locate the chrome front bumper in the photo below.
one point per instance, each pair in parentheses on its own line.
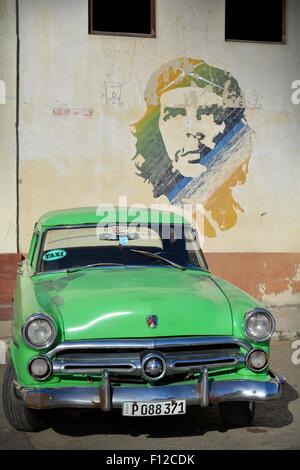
(203,393)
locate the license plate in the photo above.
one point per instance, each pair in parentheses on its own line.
(157,408)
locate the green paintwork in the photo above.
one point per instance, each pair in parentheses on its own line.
(108,214)
(120,299)
(113,302)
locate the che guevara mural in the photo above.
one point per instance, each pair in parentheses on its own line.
(193,143)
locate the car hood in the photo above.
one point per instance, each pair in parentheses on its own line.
(115,303)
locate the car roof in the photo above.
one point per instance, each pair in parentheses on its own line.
(94,215)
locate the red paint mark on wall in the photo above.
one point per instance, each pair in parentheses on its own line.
(81,112)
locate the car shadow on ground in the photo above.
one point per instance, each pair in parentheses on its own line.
(197,421)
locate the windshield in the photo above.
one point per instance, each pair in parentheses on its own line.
(120,245)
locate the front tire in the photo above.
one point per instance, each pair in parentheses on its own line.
(18,416)
(237,413)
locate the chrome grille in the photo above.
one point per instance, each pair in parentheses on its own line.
(123,358)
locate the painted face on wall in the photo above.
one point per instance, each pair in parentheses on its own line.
(190,124)
(193,142)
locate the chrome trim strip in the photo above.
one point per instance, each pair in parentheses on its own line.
(113,365)
(200,394)
(149,343)
(188,364)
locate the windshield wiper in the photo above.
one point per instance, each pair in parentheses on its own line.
(161,258)
(74,270)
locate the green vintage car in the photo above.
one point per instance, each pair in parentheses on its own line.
(116,308)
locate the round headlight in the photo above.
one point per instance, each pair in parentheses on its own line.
(40,368)
(257,360)
(259,325)
(39,331)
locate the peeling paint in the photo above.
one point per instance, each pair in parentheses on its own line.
(283,290)
(297,273)
(261,289)
(290,295)
(284,298)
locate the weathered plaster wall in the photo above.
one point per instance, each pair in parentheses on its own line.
(272,278)
(7,127)
(80,94)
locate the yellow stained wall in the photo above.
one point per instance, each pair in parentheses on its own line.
(7,127)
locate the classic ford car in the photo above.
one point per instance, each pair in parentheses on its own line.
(114,310)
